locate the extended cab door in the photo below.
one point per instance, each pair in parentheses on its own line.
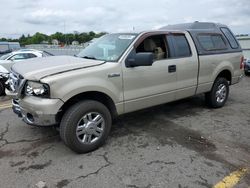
(146,86)
(184,56)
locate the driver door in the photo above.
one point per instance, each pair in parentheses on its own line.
(146,86)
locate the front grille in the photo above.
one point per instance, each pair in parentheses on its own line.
(15,82)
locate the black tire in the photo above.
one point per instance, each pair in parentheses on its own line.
(72,118)
(2,88)
(211,98)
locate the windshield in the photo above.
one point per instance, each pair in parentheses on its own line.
(108,48)
(4,57)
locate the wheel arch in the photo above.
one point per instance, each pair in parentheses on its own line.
(89,95)
(225,74)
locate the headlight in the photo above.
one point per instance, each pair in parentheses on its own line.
(36,89)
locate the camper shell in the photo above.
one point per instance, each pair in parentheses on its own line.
(202,32)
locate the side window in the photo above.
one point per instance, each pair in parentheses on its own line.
(18,57)
(206,42)
(155,44)
(218,42)
(211,42)
(232,41)
(182,48)
(31,55)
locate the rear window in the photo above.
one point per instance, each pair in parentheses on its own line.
(212,42)
(182,46)
(46,54)
(231,39)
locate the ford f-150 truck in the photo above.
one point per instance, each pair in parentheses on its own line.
(125,72)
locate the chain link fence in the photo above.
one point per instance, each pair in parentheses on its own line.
(56,49)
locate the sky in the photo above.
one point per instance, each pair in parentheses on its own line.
(19,17)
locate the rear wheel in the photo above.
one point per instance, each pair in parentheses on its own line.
(218,95)
(85,126)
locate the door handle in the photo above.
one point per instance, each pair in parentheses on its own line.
(111,75)
(172,68)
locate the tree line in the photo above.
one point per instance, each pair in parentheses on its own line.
(39,38)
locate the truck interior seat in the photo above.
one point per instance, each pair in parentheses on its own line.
(150,46)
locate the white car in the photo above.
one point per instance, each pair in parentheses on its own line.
(9,59)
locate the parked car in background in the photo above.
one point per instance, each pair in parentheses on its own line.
(247,67)
(4,75)
(9,59)
(7,47)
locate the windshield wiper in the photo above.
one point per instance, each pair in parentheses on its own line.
(89,57)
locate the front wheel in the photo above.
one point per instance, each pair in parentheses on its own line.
(85,126)
(218,95)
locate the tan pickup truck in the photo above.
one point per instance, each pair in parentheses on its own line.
(125,72)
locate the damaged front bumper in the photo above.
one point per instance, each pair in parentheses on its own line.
(37,111)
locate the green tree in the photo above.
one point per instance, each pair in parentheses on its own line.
(37,38)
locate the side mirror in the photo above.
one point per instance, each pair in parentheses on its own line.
(139,59)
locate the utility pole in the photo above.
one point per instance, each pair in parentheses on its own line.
(64,26)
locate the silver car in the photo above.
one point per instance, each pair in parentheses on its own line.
(9,59)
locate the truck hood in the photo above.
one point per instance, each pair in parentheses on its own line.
(38,68)
(4,61)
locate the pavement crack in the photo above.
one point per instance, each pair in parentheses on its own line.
(24,140)
(6,142)
(46,149)
(2,134)
(135,186)
(16,142)
(204,182)
(108,163)
(203,179)
(160,162)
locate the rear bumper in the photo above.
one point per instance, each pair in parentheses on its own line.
(37,111)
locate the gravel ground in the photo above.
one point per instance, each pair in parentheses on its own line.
(181,144)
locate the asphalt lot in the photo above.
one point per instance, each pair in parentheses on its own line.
(181,144)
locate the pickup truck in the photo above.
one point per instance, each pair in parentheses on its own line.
(125,72)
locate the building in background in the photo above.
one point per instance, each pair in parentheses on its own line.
(55,42)
(244,41)
(75,43)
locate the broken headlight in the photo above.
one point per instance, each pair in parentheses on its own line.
(4,75)
(36,89)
